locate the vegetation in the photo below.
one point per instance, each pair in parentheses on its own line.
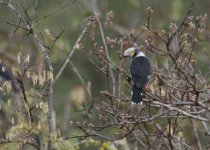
(74,85)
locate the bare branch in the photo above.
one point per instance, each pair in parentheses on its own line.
(72,52)
(111,74)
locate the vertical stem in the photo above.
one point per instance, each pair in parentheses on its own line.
(169,133)
(120,66)
(198,143)
(51,118)
(112,81)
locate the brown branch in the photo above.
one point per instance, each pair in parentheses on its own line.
(111,74)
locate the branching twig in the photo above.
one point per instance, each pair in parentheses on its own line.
(71,52)
(111,74)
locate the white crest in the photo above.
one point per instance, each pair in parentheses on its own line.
(131,51)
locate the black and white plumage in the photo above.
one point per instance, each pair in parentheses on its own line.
(140,72)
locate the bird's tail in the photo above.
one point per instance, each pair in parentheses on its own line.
(137,95)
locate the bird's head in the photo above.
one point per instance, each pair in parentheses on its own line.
(133,52)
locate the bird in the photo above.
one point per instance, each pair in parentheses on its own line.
(6,75)
(140,73)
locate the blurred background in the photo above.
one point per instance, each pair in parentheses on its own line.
(51,17)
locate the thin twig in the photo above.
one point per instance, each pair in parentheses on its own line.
(71,52)
(181,111)
(111,74)
(80,78)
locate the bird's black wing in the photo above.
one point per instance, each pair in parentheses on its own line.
(140,71)
(5,74)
